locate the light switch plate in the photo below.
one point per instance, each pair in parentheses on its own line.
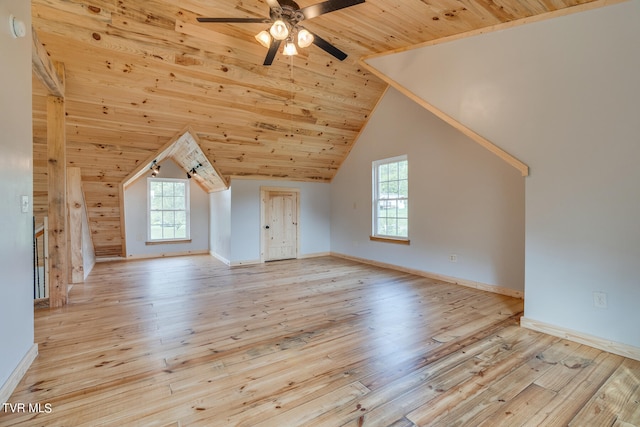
(25,204)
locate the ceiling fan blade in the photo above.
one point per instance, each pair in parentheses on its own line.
(236,20)
(328,47)
(273,49)
(327,6)
(273,4)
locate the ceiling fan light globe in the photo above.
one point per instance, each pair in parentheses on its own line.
(289,49)
(305,38)
(279,30)
(264,38)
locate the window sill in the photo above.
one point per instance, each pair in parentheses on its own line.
(398,241)
(167,242)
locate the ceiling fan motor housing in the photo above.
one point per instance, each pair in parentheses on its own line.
(289,12)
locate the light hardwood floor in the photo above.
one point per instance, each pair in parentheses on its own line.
(329,342)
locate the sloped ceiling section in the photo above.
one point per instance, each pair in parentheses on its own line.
(463,81)
(185,151)
(139,71)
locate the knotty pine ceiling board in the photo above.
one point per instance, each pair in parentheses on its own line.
(140,71)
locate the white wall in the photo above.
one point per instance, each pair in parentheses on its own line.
(462,199)
(314,226)
(16,175)
(561,95)
(135,205)
(220,222)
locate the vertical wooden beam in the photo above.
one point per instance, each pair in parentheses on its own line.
(44,69)
(57,192)
(75,205)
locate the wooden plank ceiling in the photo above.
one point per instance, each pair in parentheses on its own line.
(140,71)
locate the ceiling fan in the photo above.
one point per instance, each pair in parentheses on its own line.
(285,17)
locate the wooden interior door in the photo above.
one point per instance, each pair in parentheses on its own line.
(280,225)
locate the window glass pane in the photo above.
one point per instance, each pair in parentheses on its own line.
(383,190)
(393,171)
(168,203)
(168,232)
(392,212)
(180,232)
(403,228)
(179,189)
(179,202)
(384,173)
(393,189)
(403,170)
(155,218)
(156,203)
(167,188)
(156,188)
(181,218)
(403,209)
(391,226)
(156,232)
(382,226)
(168,218)
(403,189)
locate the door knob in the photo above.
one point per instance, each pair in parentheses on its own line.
(266,226)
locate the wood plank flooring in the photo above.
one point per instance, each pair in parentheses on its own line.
(317,342)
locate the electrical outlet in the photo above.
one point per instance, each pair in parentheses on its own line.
(453,258)
(600,299)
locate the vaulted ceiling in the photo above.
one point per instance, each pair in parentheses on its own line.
(139,71)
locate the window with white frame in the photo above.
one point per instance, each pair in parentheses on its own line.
(168,208)
(391,198)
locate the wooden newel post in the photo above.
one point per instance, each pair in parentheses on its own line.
(57,201)
(75,206)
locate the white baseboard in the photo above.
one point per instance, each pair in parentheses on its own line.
(453,280)
(246,262)
(220,258)
(314,255)
(16,376)
(257,261)
(600,343)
